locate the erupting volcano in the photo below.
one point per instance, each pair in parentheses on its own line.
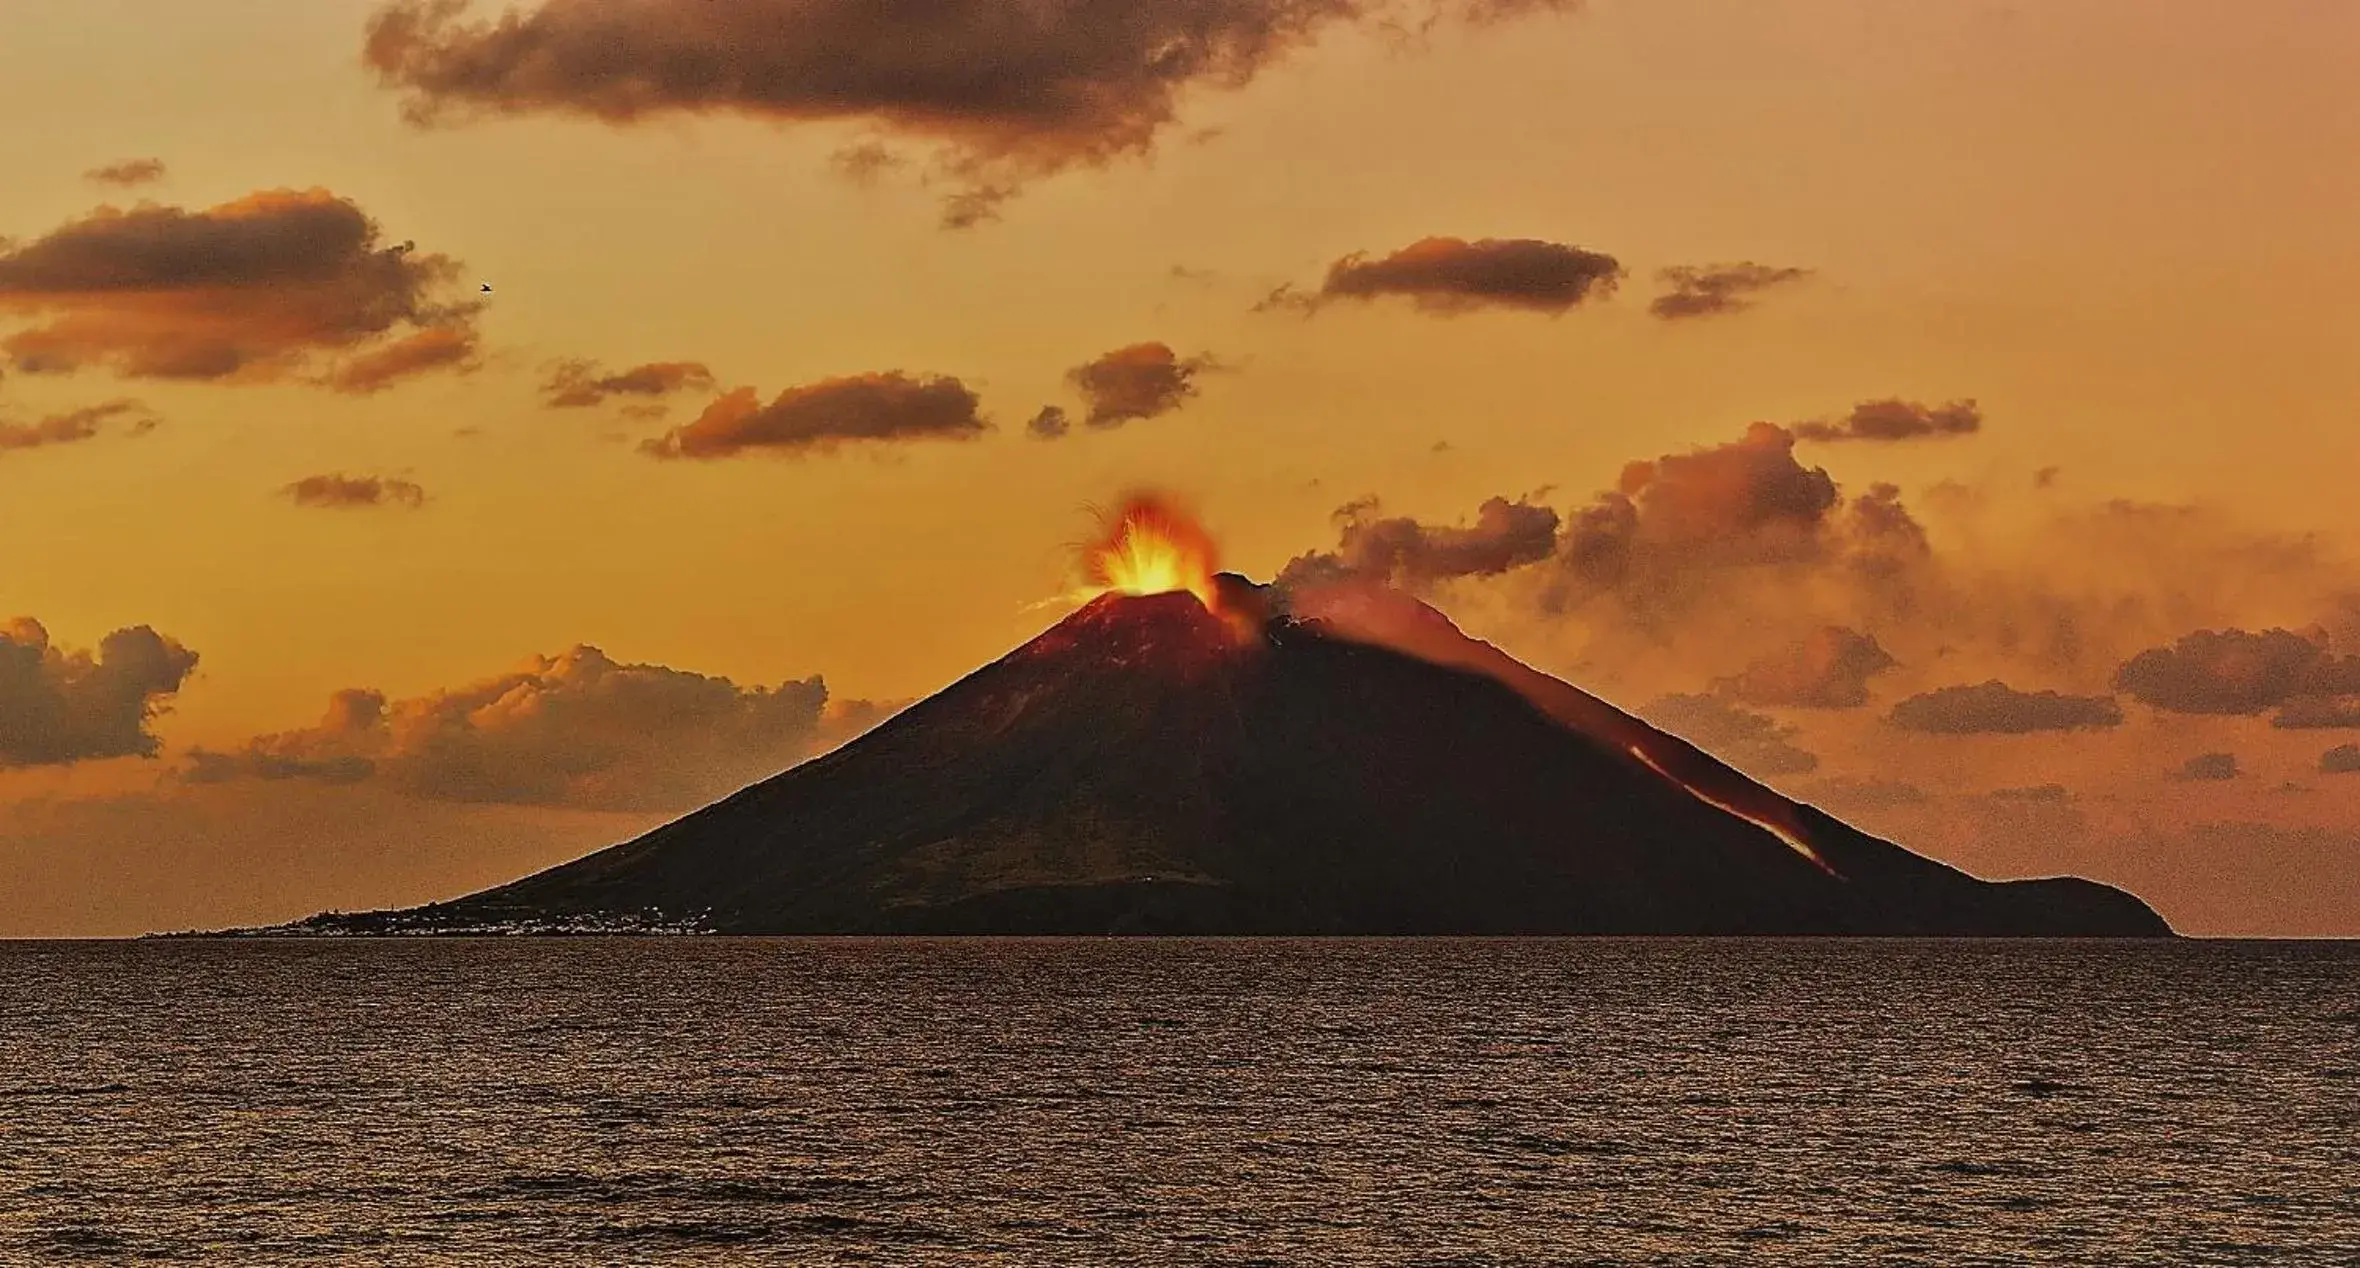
(1189,752)
(1150,547)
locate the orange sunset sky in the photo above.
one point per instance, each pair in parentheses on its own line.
(1945,410)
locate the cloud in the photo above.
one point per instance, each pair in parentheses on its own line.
(1829,669)
(1994,708)
(1451,275)
(1894,419)
(1753,742)
(2036,792)
(1399,550)
(2343,759)
(575,384)
(433,348)
(333,491)
(865,162)
(818,417)
(1865,794)
(1003,92)
(1745,503)
(1702,291)
(127,173)
(76,425)
(250,290)
(2207,767)
(1050,424)
(1135,383)
(2237,671)
(2318,713)
(975,205)
(578,730)
(59,706)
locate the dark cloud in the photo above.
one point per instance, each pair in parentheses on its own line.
(1829,669)
(77,425)
(818,417)
(338,491)
(1702,291)
(1401,551)
(251,290)
(434,348)
(1994,708)
(1049,424)
(1745,503)
(59,706)
(1007,92)
(2037,792)
(128,173)
(579,729)
(864,162)
(576,384)
(1139,382)
(2319,713)
(1452,275)
(975,205)
(2343,759)
(2236,671)
(1753,742)
(2206,767)
(1894,419)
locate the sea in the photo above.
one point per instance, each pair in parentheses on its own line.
(1148,1101)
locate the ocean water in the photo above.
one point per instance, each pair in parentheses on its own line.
(690,1100)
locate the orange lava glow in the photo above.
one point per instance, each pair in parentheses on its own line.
(1793,840)
(1148,546)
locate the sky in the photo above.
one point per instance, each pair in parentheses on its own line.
(1944,410)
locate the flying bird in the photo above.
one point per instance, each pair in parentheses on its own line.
(486,288)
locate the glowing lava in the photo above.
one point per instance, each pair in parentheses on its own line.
(1793,840)
(1148,546)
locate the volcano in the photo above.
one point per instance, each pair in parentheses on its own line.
(1340,764)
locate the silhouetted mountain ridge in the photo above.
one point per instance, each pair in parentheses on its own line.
(1146,765)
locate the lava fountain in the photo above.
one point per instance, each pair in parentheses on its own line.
(1147,545)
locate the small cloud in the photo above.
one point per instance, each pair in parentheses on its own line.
(1829,669)
(1994,708)
(1707,290)
(2343,759)
(1447,276)
(338,491)
(2319,713)
(2208,766)
(1866,794)
(577,384)
(430,349)
(128,173)
(867,409)
(2037,792)
(1398,550)
(866,162)
(76,425)
(1049,424)
(1142,381)
(975,205)
(1894,419)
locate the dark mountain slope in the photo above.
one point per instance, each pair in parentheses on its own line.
(1148,766)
